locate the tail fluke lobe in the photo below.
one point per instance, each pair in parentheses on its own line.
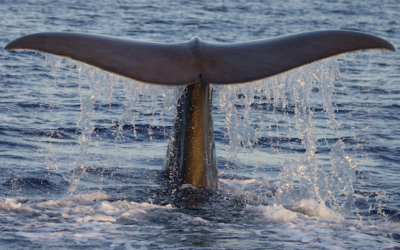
(254,60)
(156,63)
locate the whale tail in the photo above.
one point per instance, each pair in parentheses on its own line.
(181,63)
(191,156)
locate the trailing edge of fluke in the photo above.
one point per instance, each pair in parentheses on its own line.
(217,63)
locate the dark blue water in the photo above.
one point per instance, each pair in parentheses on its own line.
(73,179)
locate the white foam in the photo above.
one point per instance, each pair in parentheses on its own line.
(247,183)
(128,224)
(313,208)
(10,204)
(315,232)
(275,213)
(96,218)
(239,182)
(200,220)
(76,199)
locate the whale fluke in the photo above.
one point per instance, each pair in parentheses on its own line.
(191,159)
(217,63)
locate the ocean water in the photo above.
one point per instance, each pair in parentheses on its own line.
(307,159)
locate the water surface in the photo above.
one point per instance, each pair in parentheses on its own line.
(78,172)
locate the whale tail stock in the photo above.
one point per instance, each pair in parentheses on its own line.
(191,158)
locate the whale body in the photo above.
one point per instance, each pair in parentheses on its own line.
(195,64)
